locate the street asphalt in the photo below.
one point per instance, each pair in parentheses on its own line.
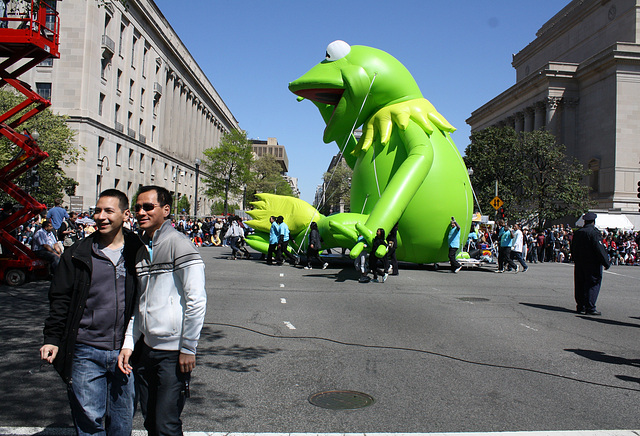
(432,351)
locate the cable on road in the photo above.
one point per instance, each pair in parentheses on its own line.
(432,353)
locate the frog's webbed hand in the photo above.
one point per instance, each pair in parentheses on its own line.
(297,213)
(380,125)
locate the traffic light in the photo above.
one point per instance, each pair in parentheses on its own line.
(34,178)
(502,214)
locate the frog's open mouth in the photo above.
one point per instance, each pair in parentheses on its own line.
(330,96)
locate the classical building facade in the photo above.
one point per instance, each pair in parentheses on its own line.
(270,146)
(580,80)
(140,104)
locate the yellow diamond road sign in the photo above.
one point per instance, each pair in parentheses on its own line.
(496,203)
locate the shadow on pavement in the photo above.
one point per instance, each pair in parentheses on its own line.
(548,307)
(599,356)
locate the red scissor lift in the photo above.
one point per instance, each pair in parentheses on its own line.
(25,41)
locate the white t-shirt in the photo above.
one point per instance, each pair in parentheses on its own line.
(517,241)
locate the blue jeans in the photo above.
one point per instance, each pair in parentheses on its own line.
(99,389)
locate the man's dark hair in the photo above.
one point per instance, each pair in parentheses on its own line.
(280,219)
(123,201)
(45,223)
(164,196)
(57,202)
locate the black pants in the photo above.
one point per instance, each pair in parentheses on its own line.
(452,258)
(283,252)
(312,254)
(392,259)
(161,387)
(373,265)
(504,256)
(273,249)
(587,280)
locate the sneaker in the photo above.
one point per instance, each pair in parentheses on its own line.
(325,265)
(375,281)
(498,271)
(517,270)
(525,270)
(307,267)
(458,269)
(385,277)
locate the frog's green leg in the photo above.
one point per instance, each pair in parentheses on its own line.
(259,241)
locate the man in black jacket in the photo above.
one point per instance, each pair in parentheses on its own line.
(589,256)
(92,297)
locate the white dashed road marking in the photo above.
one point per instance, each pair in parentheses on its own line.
(289,325)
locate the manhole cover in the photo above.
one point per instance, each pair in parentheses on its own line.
(473,299)
(339,400)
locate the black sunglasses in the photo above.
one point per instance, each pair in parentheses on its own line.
(148,207)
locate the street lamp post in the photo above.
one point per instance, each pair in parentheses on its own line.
(99,182)
(195,204)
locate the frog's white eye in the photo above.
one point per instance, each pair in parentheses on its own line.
(337,50)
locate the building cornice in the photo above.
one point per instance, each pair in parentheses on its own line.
(126,138)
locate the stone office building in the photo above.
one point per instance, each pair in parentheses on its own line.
(580,79)
(139,102)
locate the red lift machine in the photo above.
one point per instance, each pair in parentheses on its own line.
(25,41)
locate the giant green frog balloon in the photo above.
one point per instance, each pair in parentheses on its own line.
(406,168)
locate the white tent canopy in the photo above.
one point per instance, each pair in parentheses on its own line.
(610,221)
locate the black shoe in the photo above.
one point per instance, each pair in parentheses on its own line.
(593,313)
(580,310)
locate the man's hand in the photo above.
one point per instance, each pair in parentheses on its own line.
(123,361)
(48,352)
(186,362)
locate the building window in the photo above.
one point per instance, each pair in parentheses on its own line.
(119,80)
(44,90)
(153,165)
(100,143)
(119,154)
(156,103)
(131,84)
(153,133)
(116,182)
(101,103)
(142,162)
(129,189)
(142,98)
(104,65)
(145,51)
(46,63)
(133,50)
(131,159)
(121,41)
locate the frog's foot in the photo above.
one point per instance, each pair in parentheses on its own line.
(380,125)
(297,213)
(259,241)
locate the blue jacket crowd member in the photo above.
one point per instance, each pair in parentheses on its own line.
(169,317)
(392,241)
(283,243)
(373,257)
(45,245)
(274,232)
(589,256)
(57,214)
(315,245)
(92,297)
(505,236)
(454,245)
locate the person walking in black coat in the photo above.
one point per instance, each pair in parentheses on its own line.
(313,250)
(589,256)
(392,240)
(373,257)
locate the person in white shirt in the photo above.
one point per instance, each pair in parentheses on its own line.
(518,245)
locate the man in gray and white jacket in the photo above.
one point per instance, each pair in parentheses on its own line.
(169,317)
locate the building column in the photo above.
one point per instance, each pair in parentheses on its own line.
(568,131)
(528,119)
(540,116)
(511,122)
(553,104)
(519,122)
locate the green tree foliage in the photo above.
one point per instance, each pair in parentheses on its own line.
(537,181)
(266,177)
(217,208)
(337,189)
(184,207)
(229,166)
(57,139)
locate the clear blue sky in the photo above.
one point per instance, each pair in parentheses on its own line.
(459,52)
